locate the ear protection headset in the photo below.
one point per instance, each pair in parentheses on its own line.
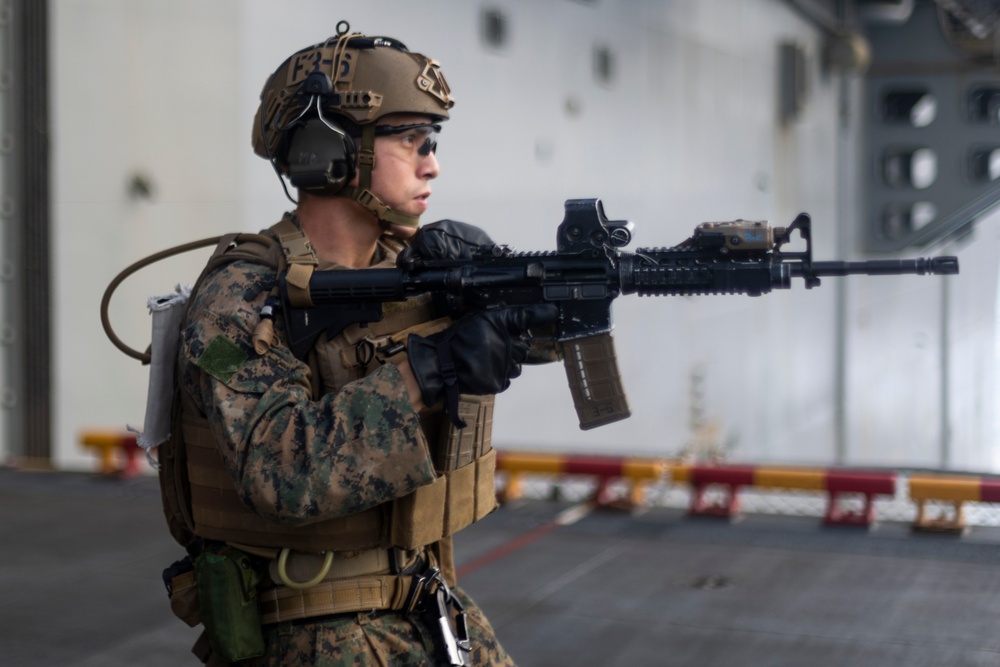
(321,155)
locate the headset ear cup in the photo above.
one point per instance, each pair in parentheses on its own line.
(320,160)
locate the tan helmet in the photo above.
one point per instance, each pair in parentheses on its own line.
(318,110)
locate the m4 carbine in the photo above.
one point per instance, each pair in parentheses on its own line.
(585,273)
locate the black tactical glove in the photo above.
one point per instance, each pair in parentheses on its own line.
(478,354)
(444,239)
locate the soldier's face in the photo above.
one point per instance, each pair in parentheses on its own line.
(405,164)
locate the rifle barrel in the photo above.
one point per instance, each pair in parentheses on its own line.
(942,266)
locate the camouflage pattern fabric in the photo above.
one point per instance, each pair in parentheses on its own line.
(378,639)
(295,459)
(298,459)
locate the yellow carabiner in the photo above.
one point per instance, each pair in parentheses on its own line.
(301,585)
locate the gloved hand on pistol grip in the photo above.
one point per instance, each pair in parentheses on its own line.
(478,354)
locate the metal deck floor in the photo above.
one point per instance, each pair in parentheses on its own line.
(81,559)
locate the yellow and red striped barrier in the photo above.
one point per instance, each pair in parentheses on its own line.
(117,451)
(955,490)
(838,484)
(728,479)
(639,472)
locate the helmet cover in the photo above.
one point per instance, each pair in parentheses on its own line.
(349,78)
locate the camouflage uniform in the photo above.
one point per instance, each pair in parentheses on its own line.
(297,458)
(384,639)
(294,458)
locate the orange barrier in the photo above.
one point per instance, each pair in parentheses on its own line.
(640,472)
(118,451)
(725,479)
(838,484)
(954,490)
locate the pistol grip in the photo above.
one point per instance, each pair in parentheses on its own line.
(594,380)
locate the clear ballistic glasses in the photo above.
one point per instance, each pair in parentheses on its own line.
(420,138)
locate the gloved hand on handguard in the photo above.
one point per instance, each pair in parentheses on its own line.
(444,239)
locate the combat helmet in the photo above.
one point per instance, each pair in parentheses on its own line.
(318,111)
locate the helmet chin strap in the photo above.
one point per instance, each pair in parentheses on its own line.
(363,194)
(386,216)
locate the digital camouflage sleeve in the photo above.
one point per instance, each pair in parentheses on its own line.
(296,458)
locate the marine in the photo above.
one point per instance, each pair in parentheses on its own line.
(317,496)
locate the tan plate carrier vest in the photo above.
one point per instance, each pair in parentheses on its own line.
(464,459)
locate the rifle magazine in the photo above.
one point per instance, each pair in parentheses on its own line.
(594,380)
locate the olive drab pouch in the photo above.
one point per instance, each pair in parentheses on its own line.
(227,596)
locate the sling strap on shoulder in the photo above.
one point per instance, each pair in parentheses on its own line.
(301,260)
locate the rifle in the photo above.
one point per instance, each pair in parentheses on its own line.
(585,273)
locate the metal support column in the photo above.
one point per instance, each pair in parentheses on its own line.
(27,263)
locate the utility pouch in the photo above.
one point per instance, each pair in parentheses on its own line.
(184,599)
(453,501)
(227,596)
(461,446)
(179,581)
(418,518)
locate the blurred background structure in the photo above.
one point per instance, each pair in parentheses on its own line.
(125,129)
